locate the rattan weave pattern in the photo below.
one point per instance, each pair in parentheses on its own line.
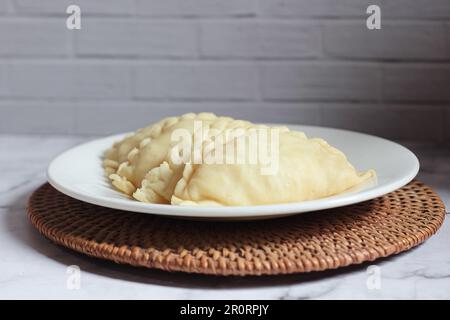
(302,243)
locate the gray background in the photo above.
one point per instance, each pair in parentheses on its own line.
(297,61)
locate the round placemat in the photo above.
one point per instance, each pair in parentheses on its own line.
(306,242)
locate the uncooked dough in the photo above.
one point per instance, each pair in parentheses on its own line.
(142,165)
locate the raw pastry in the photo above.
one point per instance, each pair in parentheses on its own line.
(142,165)
(141,159)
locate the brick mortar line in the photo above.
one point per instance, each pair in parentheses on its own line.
(213,18)
(136,59)
(131,61)
(236,101)
(425,104)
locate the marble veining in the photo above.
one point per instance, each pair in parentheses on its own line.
(32,267)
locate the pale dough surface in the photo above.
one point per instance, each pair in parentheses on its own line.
(141,166)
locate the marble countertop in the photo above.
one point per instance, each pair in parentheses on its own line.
(33,267)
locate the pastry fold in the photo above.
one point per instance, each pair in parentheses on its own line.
(142,165)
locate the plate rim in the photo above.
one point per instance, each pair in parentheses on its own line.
(255,211)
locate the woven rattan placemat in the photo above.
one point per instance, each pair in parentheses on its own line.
(305,242)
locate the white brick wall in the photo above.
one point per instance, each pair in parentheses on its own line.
(446,125)
(137,38)
(415,9)
(393,120)
(317,9)
(416,82)
(260,39)
(418,9)
(32,38)
(320,81)
(196,81)
(3,83)
(196,8)
(67,80)
(296,61)
(4,7)
(397,40)
(89,7)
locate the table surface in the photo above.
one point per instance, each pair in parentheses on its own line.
(33,267)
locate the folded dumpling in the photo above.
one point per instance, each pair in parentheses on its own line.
(142,165)
(137,165)
(308,169)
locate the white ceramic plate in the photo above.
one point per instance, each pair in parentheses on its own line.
(78,173)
